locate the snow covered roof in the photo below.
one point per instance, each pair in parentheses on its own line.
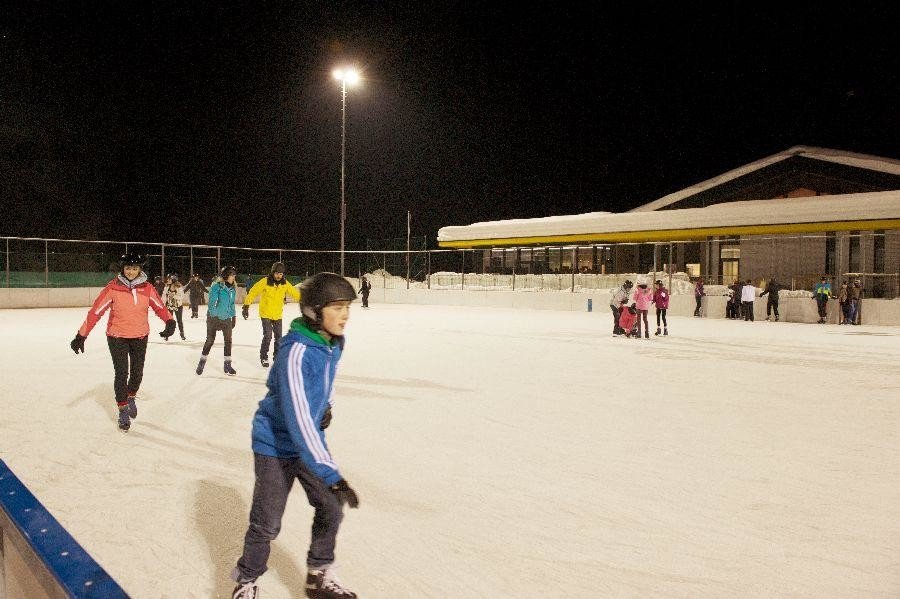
(872,210)
(874,163)
(869,210)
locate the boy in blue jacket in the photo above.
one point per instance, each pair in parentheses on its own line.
(289,441)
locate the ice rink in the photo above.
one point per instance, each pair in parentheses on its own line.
(497,453)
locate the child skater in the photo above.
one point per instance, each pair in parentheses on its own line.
(174,303)
(220,316)
(661,299)
(127,297)
(628,321)
(643,297)
(289,441)
(272,291)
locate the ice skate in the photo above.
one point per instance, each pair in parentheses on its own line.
(323,584)
(124,420)
(665,332)
(201,365)
(658,331)
(264,362)
(228,369)
(183,338)
(132,407)
(246,590)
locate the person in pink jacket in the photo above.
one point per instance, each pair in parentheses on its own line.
(127,298)
(643,297)
(661,299)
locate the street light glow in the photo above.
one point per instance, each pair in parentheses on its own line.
(348,76)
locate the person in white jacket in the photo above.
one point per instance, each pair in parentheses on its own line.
(174,300)
(748,296)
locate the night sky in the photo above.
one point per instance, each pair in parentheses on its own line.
(219,123)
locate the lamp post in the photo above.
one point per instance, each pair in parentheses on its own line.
(346,77)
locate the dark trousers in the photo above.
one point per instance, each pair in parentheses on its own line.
(699,299)
(274,479)
(195,307)
(177,314)
(823,307)
(772,306)
(616,312)
(214,324)
(365,300)
(642,314)
(269,327)
(128,364)
(748,310)
(661,312)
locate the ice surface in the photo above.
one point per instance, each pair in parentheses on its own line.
(497,453)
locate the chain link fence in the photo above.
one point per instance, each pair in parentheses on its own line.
(797,261)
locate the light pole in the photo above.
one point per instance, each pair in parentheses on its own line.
(346,77)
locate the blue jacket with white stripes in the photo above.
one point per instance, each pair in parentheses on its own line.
(287,422)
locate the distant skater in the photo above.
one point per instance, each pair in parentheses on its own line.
(364,289)
(643,297)
(196,291)
(699,292)
(128,297)
(773,287)
(272,291)
(748,296)
(616,304)
(220,316)
(661,299)
(174,299)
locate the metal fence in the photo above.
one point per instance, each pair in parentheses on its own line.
(797,261)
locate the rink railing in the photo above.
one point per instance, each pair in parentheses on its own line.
(59,263)
(38,557)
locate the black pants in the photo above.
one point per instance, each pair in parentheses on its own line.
(269,327)
(661,312)
(699,299)
(823,307)
(128,364)
(365,300)
(616,313)
(772,306)
(748,310)
(274,479)
(642,314)
(177,314)
(195,307)
(214,324)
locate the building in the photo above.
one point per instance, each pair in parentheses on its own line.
(795,215)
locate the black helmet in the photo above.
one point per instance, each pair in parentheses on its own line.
(196,274)
(320,290)
(131,259)
(172,276)
(628,284)
(227,271)
(278,267)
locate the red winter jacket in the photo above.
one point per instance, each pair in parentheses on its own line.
(128,304)
(626,319)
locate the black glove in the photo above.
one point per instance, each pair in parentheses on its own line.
(233,321)
(326,419)
(170,328)
(344,493)
(77,344)
(245,312)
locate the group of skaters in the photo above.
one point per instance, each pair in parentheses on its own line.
(628,318)
(288,428)
(742,296)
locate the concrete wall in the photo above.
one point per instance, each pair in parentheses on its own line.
(874,311)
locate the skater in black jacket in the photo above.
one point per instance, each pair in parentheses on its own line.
(364,289)
(772,289)
(196,291)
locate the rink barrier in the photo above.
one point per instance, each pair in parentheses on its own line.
(39,557)
(884,312)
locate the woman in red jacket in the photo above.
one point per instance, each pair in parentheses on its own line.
(127,297)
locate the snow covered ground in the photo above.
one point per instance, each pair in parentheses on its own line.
(497,453)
